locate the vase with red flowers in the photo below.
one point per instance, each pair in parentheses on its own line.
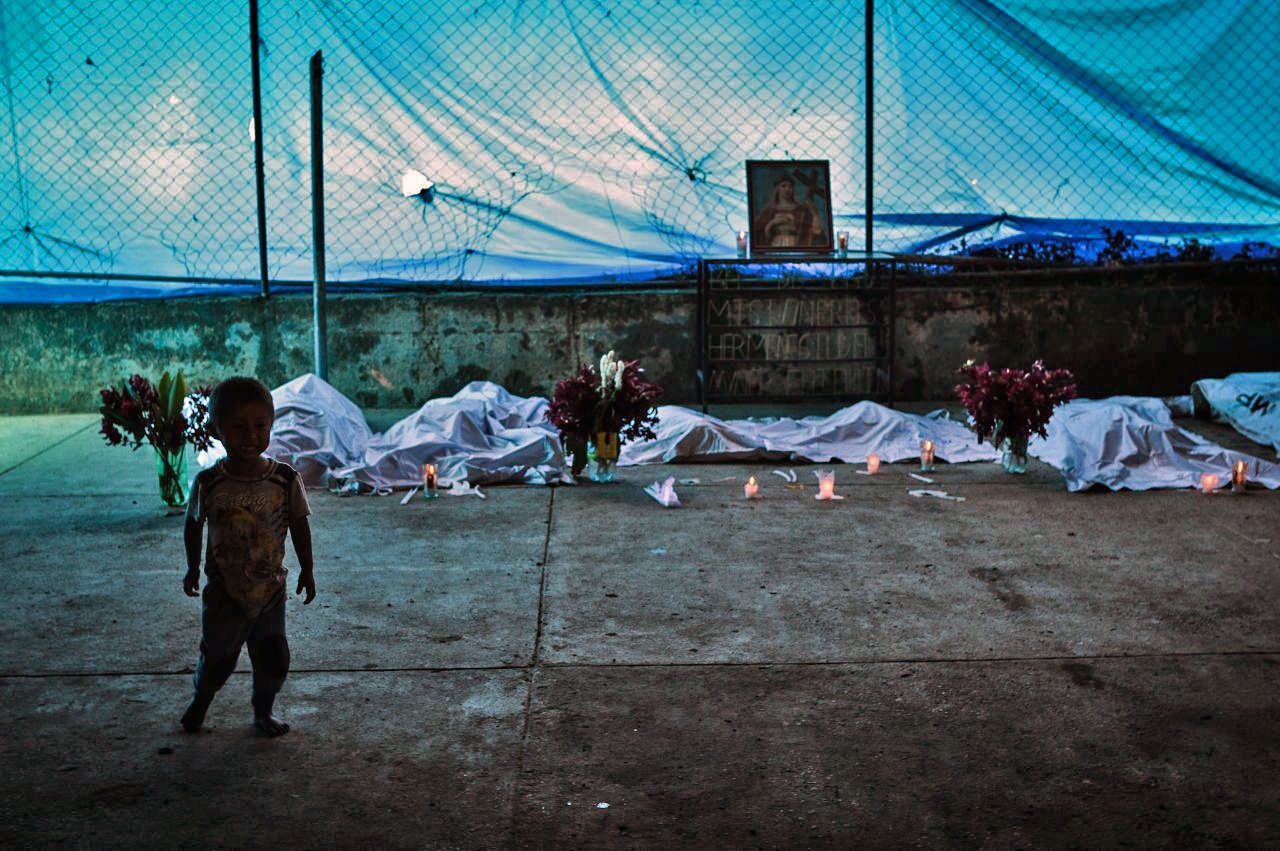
(165,416)
(1007,406)
(599,408)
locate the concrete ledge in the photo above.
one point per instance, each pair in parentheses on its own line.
(401,349)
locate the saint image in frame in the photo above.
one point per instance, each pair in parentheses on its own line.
(789,206)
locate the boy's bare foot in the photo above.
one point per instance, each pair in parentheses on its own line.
(193,719)
(270,725)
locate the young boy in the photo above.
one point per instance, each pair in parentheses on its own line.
(250,503)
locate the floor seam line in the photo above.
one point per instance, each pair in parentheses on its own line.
(47,448)
(532,668)
(839,663)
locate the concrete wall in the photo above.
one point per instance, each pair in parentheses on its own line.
(1148,338)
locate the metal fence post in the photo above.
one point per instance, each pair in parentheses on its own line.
(258,166)
(869,62)
(317,214)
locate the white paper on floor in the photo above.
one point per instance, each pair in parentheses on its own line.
(664,492)
(1249,401)
(1129,442)
(936,494)
(464,488)
(848,435)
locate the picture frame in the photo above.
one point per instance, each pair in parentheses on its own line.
(789,206)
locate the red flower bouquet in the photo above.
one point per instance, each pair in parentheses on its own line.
(603,407)
(1011,404)
(166,417)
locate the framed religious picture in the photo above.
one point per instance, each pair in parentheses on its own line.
(789,206)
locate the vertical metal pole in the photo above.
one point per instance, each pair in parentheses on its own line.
(701,333)
(870,109)
(258,167)
(317,213)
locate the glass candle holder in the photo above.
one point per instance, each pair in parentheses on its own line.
(1208,482)
(751,490)
(742,244)
(1239,481)
(826,484)
(873,463)
(926,456)
(430,486)
(842,243)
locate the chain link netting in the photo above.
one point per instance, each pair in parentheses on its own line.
(79,129)
(127,139)
(1064,114)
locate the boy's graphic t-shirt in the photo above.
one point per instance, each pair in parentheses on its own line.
(248,521)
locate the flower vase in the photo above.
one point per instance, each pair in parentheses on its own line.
(171,469)
(1013,454)
(603,455)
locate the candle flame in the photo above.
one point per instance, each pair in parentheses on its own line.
(751,480)
(1239,468)
(928,444)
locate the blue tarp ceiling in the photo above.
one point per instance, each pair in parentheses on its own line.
(596,141)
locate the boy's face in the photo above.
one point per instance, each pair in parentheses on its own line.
(245,430)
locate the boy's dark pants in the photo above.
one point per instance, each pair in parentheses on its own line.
(224,629)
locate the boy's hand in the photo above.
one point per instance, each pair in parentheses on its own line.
(191,583)
(307,580)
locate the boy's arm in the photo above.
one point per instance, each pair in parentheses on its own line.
(191,539)
(300,531)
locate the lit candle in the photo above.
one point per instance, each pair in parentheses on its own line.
(1208,482)
(1239,481)
(826,485)
(742,243)
(926,456)
(751,489)
(873,463)
(429,490)
(842,242)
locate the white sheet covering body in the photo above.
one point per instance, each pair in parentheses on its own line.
(317,429)
(1128,442)
(482,434)
(1249,401)
(847,435)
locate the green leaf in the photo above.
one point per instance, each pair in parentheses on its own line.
(163,392)
(178,396)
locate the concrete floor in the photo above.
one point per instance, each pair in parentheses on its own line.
(1028,668)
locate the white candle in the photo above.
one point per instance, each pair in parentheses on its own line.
(742,243)
(873,463)
(751,489)
(1239,482)
(926,456)
(1208,482)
